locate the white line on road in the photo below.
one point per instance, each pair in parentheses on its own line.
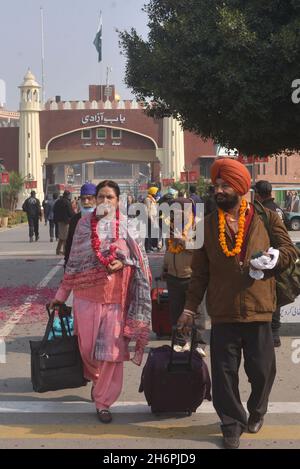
(26,253)
(17,316)
(48,407)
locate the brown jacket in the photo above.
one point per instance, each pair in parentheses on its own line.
(232,295)
(178,265)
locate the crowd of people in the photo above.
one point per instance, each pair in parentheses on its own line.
(111,282)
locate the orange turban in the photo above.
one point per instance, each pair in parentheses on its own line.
(233,173)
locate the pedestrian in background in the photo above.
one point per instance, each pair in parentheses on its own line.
(87,206)
(44,205)
(32,207)
(263,194)
(49,216)
(63,213)
(152,218)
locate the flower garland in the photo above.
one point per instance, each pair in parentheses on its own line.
(175,249)
(241,230)
(96,243)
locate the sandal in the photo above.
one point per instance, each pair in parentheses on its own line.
(104,415)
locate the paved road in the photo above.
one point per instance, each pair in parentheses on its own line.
(29,275)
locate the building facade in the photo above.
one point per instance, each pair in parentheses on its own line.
(69,142)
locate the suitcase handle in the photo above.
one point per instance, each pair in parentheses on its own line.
(190,356)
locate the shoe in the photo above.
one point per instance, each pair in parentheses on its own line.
(31,240)
(51,240)
(104,415)
(276,341)
(37,238)
(231,442)
(255,425)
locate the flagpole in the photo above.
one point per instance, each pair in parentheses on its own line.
(101,67)
(43,56)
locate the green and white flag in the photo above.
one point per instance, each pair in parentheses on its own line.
(98,40)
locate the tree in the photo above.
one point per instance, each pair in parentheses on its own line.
(223,67)
(16,182)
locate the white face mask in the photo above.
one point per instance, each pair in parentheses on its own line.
(86,210)
(103,210)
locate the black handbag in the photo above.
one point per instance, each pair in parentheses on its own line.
(56,364)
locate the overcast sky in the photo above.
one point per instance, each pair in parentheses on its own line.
(71,60)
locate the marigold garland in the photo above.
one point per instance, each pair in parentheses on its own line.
(241,230)
(173,248)
(96,243)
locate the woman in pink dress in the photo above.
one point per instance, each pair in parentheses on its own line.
(109,275)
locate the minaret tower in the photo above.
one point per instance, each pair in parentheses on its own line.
(173,142)
(30,164)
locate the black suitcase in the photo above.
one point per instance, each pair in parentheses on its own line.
(175,381)
(56,364)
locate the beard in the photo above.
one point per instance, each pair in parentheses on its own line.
(226,202)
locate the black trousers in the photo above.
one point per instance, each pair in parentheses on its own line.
(228,341)
(33,223)
(177,288)
(276,322)
(53,227)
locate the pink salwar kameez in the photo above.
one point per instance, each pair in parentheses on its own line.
(99,312)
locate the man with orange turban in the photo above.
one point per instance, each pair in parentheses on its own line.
(239,302)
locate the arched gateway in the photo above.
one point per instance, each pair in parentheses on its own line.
(63,133)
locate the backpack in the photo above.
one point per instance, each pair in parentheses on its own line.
(288,281)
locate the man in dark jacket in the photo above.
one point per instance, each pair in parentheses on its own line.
(263,193)
(32,207)
(63,213)
(240,299)
(87,205)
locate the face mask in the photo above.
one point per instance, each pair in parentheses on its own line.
(86,210)
(103,210)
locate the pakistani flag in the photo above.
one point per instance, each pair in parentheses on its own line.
(98,40)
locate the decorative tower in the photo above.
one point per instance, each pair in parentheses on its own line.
(30,164)
(173,142)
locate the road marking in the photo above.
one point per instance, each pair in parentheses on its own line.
(26,253)
(139,430)
(17,316)
(80,407)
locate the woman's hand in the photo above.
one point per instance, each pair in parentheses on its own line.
(115,266)
(55,303)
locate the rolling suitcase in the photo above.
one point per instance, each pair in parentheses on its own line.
(175,381)
(161,321)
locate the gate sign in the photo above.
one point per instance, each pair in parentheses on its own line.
(168,182)
(253,159)
(4,178)
(188,176)
(30,184)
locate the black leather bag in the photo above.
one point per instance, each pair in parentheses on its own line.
(56,364)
